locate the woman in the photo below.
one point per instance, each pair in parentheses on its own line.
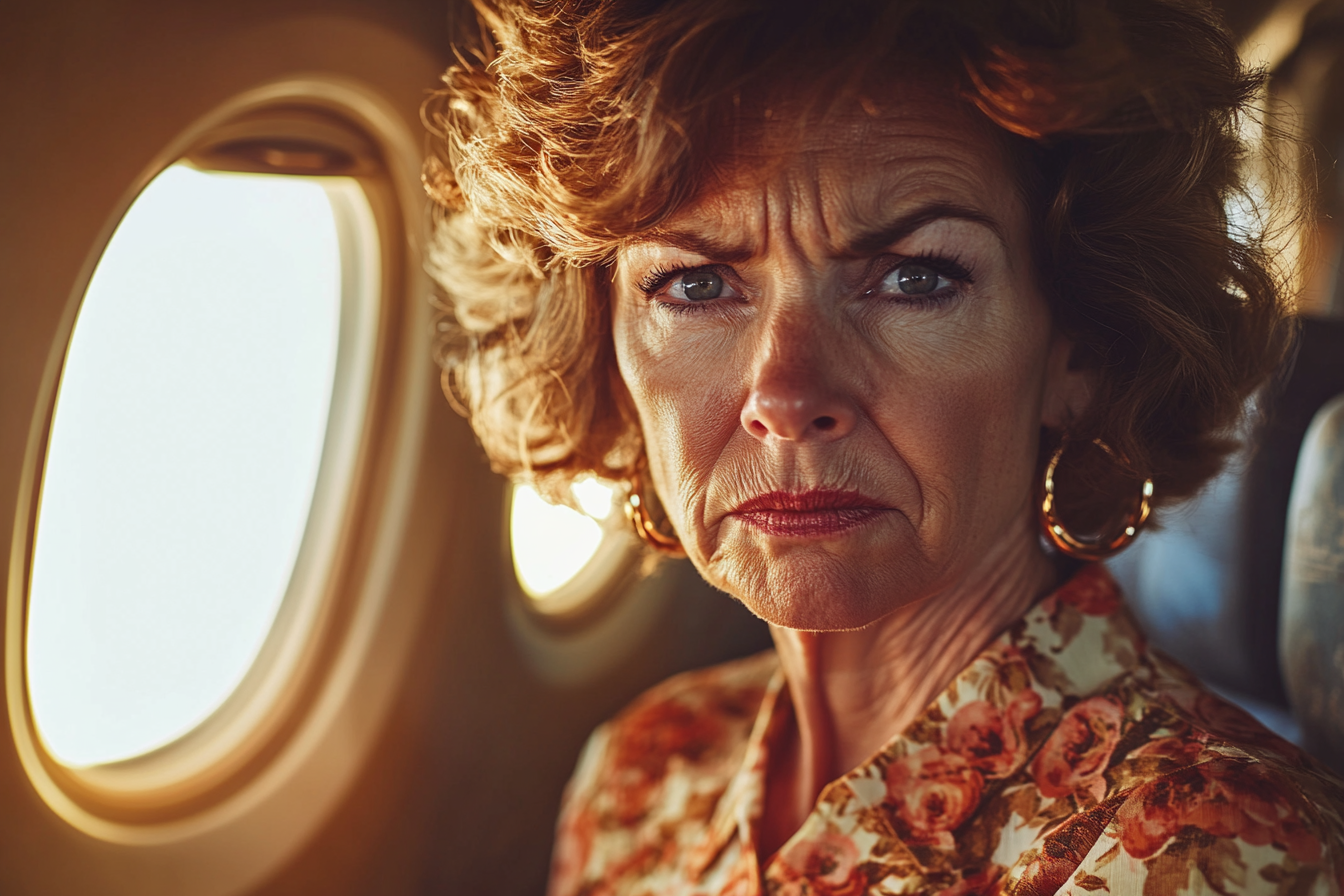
(842,291)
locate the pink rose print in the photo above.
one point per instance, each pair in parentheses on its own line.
(1092,591)
(827,862)
(656,733)
(1222,797)
(1175,751)
(991,740)
(644,745)
(1246,802)
(1078,751)
(1157,812)
(933,791)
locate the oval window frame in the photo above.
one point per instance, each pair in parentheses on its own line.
(590,590)
(599,617)
(222,737)
(238,761)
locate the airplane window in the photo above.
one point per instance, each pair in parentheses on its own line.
(182,459)
(553,543)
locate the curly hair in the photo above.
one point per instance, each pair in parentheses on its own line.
(576,125)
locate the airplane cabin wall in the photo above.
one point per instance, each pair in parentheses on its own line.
(461,788)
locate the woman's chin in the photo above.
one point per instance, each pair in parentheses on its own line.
(818,584)
(812,616)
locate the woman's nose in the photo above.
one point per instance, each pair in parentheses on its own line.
(796,402)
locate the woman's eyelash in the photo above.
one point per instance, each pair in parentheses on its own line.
(685,307)
(948,266)
(950,274)
(658,276)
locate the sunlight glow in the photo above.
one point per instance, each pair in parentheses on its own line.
(183,457)
(552,543)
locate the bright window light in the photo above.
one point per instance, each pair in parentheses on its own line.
(182,458)
(594,497)
(552,543)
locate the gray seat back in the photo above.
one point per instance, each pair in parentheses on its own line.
(1311,616)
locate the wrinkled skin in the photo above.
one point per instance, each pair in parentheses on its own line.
(816,368)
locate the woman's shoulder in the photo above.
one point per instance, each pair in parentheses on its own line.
(1199,797)
(729,689)
(1182,723)
(649,779)
(691,716)
(694,721)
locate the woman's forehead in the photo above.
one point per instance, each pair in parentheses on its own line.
(846,174)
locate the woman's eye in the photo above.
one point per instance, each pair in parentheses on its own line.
(914,280)
(699,286)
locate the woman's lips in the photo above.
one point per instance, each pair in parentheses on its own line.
(811,514)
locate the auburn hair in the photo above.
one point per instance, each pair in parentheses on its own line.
(575,125)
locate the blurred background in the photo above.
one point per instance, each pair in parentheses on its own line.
(272,626)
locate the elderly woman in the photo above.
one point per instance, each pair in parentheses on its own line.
(891,315)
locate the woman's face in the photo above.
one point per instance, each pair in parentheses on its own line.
(841,362)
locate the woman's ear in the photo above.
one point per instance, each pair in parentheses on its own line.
(1070,382)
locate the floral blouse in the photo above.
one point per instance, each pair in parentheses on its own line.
(1066,758)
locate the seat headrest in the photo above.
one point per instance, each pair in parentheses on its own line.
(1206,586)
(1311,633)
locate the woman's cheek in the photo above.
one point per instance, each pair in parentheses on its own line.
(690,418)
(962,409)
(682,385)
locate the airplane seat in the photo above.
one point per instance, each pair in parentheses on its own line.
(1207,586)
(1311,634)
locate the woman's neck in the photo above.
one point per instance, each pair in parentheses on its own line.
(852,692)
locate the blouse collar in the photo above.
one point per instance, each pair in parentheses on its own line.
(1069,646)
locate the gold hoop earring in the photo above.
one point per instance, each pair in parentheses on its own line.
(637,511)
(1100,547)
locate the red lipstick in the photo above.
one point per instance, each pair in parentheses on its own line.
(813,514)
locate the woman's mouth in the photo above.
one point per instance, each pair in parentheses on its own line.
(812,514)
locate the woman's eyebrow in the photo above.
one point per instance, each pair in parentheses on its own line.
(865,243)
(874,240)
(704,246)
